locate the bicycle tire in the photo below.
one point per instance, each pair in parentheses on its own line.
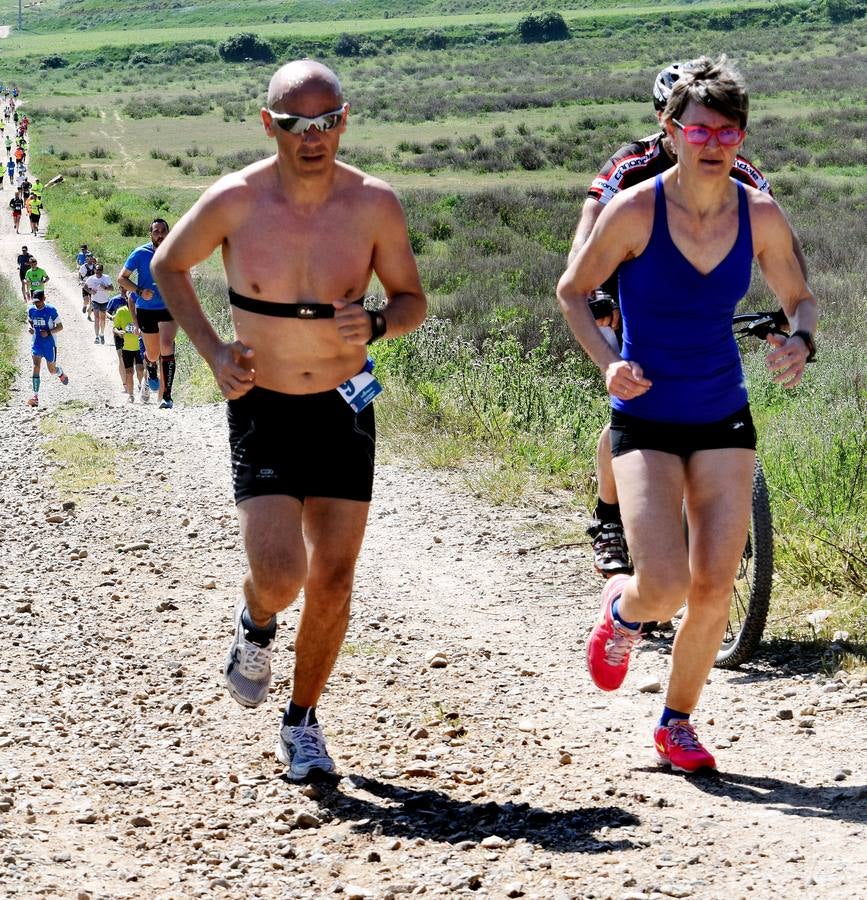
(751,592)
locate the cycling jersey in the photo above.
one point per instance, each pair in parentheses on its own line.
(646,158)
(139,262)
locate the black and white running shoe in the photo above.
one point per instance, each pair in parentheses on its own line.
(247,670)
(610,553)
(302,748)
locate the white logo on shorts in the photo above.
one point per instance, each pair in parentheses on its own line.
(737,424)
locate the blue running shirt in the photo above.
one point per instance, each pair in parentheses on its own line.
(139,261)
(677,324)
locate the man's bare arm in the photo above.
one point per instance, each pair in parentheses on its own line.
(395,266)
(199,232)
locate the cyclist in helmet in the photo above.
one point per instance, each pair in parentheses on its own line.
(630,165)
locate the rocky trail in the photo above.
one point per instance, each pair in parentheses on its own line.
(479,760)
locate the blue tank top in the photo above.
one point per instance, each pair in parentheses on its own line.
(677,323)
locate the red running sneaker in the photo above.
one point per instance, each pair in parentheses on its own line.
(677,745)
(610,643)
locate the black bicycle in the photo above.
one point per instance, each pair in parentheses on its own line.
(751,593)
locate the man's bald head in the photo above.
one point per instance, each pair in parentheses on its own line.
(296,79)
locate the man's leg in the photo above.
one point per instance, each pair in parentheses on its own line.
(36,381)
(152,356)
(167,333)
(610,553)
(333,533)
(271,528)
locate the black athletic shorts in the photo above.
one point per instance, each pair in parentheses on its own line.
(631,433)
(118,342)
(130,357)
(149,319)
(301,445)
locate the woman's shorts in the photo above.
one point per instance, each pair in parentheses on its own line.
(630,433)
(301,445)
(100,307)
(149,319)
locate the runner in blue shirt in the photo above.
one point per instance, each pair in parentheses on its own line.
(43,323)
(158,328)
(81,259)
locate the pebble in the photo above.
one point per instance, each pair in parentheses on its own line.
(785,714)
(650,686)
(494,842)
(307,820)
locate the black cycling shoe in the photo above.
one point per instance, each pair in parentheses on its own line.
(610,553)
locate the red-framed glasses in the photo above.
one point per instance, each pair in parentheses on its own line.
(727,136)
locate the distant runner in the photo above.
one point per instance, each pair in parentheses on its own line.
(16,204)
(44,323)
(35,278)
(98,287)
(23,266)
(158,328)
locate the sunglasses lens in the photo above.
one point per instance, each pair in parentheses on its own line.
(290,124)
(332,120)
(697,135)
(730,137)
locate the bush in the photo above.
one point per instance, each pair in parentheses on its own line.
(537,29)
(433,40)
(347,45)
(112,215)
(53,61)
(98,153)
(840,11)
(245,46)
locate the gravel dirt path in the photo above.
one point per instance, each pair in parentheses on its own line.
(495,770)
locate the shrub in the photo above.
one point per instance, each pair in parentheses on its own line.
(98,153)
(537,29)
(347,45)
(840,11)
(244,46)
(112,215)
(433,40)
(53,61)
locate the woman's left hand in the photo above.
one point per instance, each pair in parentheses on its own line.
(786,363)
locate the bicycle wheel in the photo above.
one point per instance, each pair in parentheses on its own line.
(751,593)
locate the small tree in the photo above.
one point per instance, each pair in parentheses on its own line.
(536,29)
(53,62)
(244,46)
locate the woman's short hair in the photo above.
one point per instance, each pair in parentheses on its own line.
(714,84)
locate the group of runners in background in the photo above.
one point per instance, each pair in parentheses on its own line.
(133,311)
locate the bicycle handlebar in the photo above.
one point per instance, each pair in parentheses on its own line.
(760,324)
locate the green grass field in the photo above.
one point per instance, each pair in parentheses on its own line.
(491,144)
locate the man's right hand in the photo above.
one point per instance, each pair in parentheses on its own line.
(233,368)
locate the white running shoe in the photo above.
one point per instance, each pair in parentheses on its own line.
(145,392)
(247,670)
(303,749)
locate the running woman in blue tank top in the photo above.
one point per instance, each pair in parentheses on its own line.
(680,422)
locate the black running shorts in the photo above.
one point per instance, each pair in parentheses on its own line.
(300,445)
(630,433)
(149,319)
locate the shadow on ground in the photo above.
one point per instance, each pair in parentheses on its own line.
(847,804)
(433,815)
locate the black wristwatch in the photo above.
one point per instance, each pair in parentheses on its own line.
(378,325)
(809,343)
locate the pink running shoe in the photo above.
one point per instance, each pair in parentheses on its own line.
(34,400)
(677,745)
(64,379)
(610,643)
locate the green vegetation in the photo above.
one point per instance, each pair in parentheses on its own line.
(11,320)
(80,461)
(492,167)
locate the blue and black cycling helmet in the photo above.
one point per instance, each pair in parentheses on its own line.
(665,83)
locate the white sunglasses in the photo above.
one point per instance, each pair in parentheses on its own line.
(299,124)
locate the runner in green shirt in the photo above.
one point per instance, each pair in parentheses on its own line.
(34,278)
(126,329)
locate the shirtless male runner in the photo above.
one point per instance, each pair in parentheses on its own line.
(301,235)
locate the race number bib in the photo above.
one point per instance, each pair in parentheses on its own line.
(360,390)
